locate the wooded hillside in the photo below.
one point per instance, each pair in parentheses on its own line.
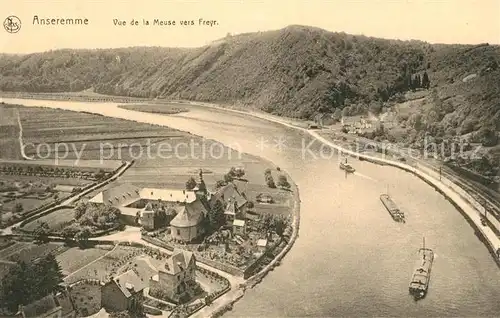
(296,71)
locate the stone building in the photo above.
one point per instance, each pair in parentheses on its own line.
(177,279)
(123,292)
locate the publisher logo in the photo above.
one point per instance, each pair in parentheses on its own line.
(12,24)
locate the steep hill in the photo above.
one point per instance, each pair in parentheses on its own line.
(296,71)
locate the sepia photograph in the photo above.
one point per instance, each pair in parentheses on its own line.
(220,158)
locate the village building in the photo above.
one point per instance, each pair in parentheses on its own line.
(234,202)
(123,292)
(262,245)
(177,278)
(239,227)
(147,207)
(356,124)
(187,225)
(50,306)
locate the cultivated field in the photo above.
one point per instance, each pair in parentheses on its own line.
(75,258)
(105,267)
(86,298)
(27,251)
(91,136)
(9,133)
(56,220)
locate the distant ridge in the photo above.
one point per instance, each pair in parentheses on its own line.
(297,71)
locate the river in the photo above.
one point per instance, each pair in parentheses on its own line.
(350,259)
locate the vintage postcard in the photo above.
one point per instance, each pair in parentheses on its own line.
(301,158)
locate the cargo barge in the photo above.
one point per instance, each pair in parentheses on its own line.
(396,214)
(420,279)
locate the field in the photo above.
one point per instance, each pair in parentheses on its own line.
(56,220)
(28,204)
(92,137)
(105,267)
(86,298)
(75,258)
(9,133)
(27,251)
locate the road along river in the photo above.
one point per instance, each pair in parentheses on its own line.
(350,259)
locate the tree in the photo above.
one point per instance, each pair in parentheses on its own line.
(270,181)
(346,111)
(425,81)
(279,224)
(337,114)
(232,172)
(216,215)
(228,178)
(239,173)
(80,209)
(41,232)
(190,184)
(18,207)
(283,182)
(487,137)
(250,205)
(83,236)
(26,282)
(100,175)
(375,107)
(220,183)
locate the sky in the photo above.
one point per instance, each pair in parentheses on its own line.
(435,21)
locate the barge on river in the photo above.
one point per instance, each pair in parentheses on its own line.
(396,214)
(419,283)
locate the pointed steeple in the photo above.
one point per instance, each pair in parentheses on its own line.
(200,188)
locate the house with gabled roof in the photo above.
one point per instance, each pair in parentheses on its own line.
(58,305)
(233,200)
(177,278)
(123,292)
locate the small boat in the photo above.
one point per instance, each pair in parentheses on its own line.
(347,167)
(420,279)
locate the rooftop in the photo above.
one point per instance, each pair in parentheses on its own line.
(171,195)
(126,194)
(129,283)
(239,223)
(262,242)
(189,215)
(178,261)
(41,307)
(230,193)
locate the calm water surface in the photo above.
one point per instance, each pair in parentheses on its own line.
(350,259)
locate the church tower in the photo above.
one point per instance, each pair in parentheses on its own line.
(201,188)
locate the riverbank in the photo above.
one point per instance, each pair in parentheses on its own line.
(452,192)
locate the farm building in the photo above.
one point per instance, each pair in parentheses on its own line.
(143,206)
(234,201)
(123,292)
(177,278)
